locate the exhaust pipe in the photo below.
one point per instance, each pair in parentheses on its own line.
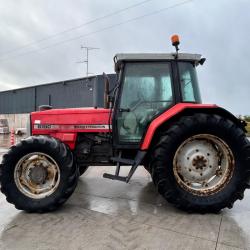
(106,90)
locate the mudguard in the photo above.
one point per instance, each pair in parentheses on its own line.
(179,110)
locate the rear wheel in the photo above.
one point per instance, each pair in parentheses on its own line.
(38,174)
(202,163)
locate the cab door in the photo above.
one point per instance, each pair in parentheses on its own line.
(145,92)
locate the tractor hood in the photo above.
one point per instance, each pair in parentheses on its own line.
(70,120)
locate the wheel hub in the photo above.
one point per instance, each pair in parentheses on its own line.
(196,160)
(199,162)
(203,164)
(38,174)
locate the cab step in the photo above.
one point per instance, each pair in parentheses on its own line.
(115,177)
(123,160)
(134,164)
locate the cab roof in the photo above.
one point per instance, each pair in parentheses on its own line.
(155,56)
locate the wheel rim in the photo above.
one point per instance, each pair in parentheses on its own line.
(203,164)
(37,175)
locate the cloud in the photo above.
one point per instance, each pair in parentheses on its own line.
(217,29)
(8,86)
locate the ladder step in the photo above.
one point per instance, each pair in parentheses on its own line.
(123,160)
(115,177)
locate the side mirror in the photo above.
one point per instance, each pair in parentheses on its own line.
(202,60)
(106,90)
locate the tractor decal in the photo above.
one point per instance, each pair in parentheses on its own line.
(73,127)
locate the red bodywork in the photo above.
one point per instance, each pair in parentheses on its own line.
(166,116)
(65,124)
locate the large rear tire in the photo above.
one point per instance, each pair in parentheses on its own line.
(38,174)
(201,163)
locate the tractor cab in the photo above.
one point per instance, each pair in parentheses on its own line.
(148,85)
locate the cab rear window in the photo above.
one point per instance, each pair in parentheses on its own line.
(189,84)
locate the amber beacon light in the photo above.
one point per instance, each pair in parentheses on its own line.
(175,42)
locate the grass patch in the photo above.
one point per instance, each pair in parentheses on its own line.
(248,128)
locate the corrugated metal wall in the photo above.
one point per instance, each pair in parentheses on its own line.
(83,92)
(17,101)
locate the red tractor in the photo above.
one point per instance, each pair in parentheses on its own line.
(197,154)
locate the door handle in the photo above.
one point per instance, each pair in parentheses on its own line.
(124,110)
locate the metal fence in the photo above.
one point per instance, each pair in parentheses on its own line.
(82,92)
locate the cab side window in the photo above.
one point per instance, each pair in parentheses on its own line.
(146,92)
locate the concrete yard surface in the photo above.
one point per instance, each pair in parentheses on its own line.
(106,214)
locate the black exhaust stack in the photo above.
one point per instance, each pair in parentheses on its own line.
(106,90)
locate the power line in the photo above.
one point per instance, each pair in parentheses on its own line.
(73,28)
(87,58)
(101,30)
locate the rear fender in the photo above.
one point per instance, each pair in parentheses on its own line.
(174,113)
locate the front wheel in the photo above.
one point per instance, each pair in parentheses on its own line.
(38,174)
(201,163)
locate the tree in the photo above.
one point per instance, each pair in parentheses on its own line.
(247,118)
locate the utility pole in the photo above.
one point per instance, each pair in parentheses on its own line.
(87,58)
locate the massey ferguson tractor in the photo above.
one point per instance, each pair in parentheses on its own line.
(197,154)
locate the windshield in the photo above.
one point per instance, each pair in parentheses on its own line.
(189,83)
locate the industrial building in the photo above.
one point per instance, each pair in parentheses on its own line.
(15,105)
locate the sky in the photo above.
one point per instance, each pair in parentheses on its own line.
(32,52)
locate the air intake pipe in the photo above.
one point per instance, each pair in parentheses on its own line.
(106,91)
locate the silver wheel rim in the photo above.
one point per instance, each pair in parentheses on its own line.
(37,175)
(203,164)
